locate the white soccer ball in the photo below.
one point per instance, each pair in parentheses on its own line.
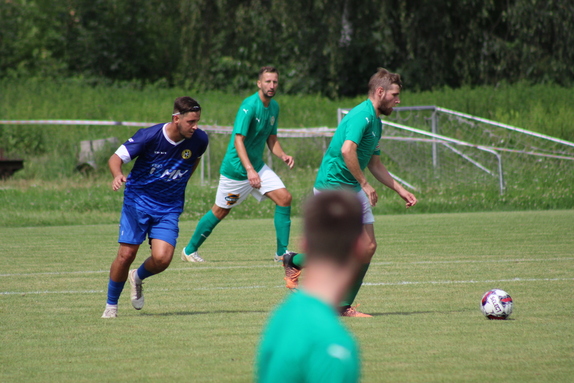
(496,304)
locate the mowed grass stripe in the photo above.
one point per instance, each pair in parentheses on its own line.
(205,268)
(403,283)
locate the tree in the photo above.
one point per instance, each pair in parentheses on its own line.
(329,47)
(123,39)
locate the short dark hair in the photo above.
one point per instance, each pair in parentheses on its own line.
(267,69)
(384,79)
(333,222)
(183,105)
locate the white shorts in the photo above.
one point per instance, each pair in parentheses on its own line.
(368,217)
(231,193)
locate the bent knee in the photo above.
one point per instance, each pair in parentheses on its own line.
(370,251)
(219,212)
(162,263)
(282,197)
(287,200)
(127,254)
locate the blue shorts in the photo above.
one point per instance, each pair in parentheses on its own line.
(136,224)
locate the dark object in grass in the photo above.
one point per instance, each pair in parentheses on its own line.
(8,166)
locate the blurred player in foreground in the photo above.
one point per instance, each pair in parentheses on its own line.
(304,340)
(167,155)
(354,147)
(243,171)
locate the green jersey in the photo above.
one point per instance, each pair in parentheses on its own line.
(305,341)
(362,126)
(256,123)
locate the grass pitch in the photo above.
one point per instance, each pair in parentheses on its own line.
(201,322)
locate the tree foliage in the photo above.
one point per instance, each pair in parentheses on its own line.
(327,47)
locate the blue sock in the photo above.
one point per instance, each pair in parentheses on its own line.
(143,273)
(114,291)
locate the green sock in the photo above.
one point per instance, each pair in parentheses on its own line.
(298,260)
(202,231)
(282,221)
(354,290)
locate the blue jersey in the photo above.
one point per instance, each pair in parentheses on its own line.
(158,179)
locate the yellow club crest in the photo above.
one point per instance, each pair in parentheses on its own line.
(186,154)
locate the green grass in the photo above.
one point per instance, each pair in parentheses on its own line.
(90,200)
(201,323)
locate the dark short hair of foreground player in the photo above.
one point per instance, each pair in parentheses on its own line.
(305,339)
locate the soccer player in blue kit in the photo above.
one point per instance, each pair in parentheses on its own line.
(167,155)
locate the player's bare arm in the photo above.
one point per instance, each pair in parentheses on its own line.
(380,172)
(115,164)
(349,152)
(276,149)
(252,175)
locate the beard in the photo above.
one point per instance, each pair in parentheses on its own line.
(386,110)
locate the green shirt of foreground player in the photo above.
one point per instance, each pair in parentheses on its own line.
(317,349)
(256,123)
(362,126)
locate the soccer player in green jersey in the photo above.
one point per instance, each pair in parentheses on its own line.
(304,340)
(243,171)
(354,147)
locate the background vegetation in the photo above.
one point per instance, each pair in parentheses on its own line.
(320,46)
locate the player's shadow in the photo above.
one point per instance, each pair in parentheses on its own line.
(185,313)
(405,313)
